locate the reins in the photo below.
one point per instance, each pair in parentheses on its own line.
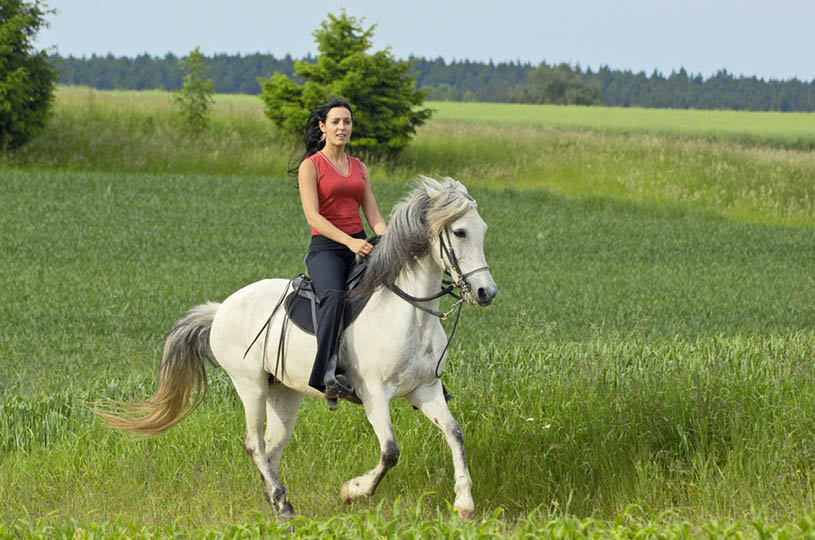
(448,288)
(410,299)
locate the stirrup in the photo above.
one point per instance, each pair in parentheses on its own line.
(339,387)
(350,398)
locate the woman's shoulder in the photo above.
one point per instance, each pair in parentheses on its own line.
(315,162)
(315,158)
(307,164)
(358,164)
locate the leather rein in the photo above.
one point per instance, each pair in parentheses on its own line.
(448,288)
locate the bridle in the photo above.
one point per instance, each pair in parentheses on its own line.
(448,286)
(459,281)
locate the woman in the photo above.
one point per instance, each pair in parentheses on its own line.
(333,187)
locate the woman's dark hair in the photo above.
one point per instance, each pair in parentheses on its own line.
(313,137)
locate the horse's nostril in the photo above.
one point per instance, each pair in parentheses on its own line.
(483,295)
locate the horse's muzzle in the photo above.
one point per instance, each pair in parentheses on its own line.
(485,295)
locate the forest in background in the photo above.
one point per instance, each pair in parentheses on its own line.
(466,80)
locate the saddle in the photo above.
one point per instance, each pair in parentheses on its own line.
(301,303)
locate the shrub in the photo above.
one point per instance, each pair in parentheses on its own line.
(27,78)
(195,97)
(387,105)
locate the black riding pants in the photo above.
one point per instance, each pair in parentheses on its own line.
(328,264)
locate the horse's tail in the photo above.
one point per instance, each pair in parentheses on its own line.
(181,376)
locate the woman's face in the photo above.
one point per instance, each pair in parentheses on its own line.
(337,126)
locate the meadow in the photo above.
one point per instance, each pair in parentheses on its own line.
(781,130)
(646,370)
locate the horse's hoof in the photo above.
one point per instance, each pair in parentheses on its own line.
(345,493)
(285,512)
(466,514)
(283,518)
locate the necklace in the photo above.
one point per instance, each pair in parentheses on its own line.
(336,166)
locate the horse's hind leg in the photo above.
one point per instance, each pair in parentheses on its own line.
(430,400)
(379,416)
(253,392)
(281,413)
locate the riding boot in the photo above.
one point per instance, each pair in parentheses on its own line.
(328,332)
(337,385)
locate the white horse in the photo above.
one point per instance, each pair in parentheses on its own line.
(395,347)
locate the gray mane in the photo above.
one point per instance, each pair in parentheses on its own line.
(414,222)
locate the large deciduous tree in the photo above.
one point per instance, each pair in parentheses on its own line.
(27,78)
(387,105)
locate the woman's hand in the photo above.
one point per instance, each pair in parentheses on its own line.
(360,247)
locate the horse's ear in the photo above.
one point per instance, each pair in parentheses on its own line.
(430,186)
(454,184)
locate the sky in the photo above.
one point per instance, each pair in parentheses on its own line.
(771,39)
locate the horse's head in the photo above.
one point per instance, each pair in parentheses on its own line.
(437,220)
(457,238)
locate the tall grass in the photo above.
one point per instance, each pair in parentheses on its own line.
(784,130)
(641,156)
(143,132)
(410,523)
(379,524)
(710,429)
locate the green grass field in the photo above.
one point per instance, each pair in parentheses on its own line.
(646,370)
(785,130)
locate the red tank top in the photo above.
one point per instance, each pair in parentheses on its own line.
(339,196)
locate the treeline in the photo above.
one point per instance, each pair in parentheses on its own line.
(472,81)
(232,74)
(721,91)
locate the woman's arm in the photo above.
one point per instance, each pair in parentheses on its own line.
(307,183)
(369,207)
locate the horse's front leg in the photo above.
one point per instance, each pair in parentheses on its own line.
(376,407)
(430,400)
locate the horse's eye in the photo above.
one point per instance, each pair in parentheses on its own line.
(460,233)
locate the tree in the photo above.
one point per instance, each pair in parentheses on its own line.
(195,97)
(27,78)
(380,89)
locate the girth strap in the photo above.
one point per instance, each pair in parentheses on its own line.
(267,327)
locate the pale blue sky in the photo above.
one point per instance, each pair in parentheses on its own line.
(767,38)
